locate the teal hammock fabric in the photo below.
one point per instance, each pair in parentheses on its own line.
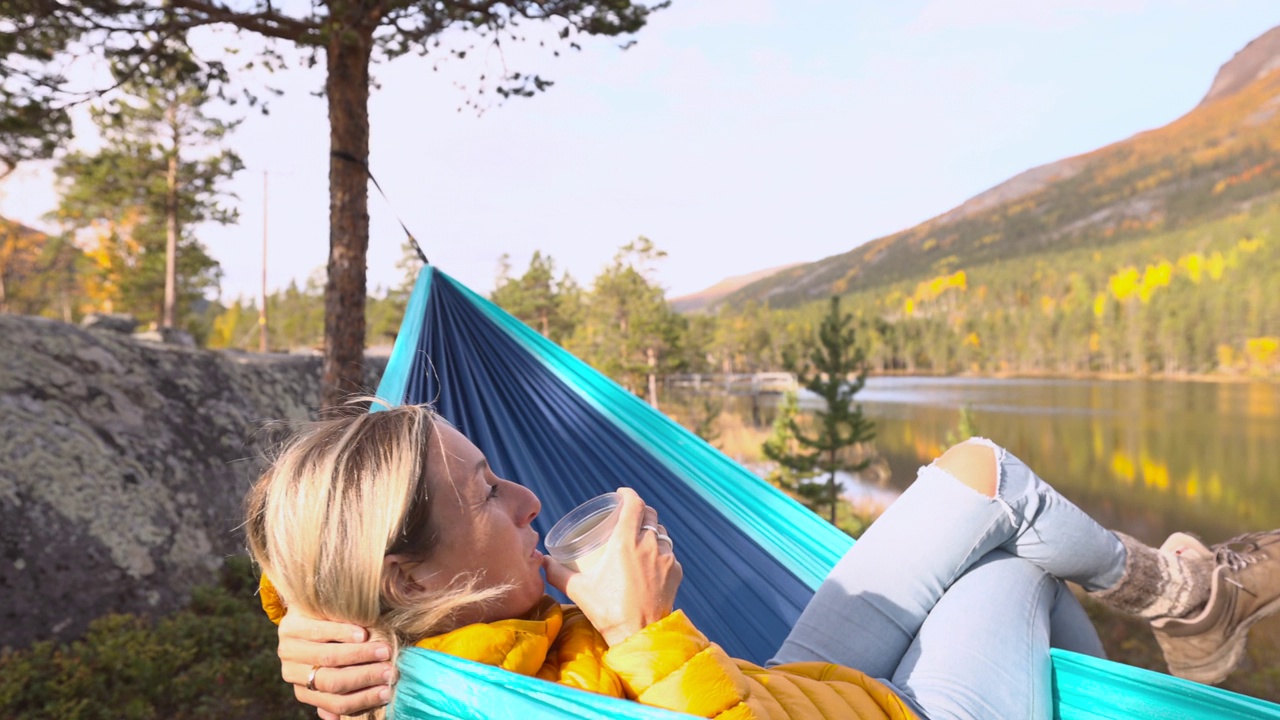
(752,555)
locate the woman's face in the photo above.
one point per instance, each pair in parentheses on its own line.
(482,526)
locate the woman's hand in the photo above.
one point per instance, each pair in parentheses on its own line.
(353,674)
(634,582)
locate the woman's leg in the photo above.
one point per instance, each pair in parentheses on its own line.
(983,652)
(872,605)
(1070,627)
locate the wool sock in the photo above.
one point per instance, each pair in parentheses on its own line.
(1158,584)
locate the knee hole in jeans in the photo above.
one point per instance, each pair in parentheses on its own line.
(974,465)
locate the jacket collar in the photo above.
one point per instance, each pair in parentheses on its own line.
(519,645)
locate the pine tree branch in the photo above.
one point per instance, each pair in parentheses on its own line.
(267,22)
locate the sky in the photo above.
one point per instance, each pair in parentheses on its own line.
(736,134)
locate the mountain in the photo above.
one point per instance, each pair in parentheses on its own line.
(694,302)
(1221,157)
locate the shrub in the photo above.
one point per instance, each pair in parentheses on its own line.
(214,659)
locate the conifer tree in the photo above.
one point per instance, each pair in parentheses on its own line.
(835,371)
(781,447)
(344,37)
(536,297)
(159,173)
(628,331)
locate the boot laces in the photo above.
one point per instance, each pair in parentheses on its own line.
(1240,552)
(1237,559)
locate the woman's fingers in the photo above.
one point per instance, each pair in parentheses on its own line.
(339,680)
(650,518)
(347,674)
(297,625)
(350,704)
(558,575)
(664,540)
(332,654)
(630,513)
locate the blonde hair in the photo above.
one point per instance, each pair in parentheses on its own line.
(343,494)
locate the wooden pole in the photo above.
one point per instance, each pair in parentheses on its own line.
(262,307)
(171,224)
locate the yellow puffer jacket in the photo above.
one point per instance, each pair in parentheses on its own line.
(669,664)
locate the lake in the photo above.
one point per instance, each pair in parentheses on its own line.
(1147,457)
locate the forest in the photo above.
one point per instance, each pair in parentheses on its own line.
(1192,302)
(1195,301)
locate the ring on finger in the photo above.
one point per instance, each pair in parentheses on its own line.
(667,538)
(311,679)
(654,528)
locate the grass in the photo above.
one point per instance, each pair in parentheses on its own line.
(1128,640)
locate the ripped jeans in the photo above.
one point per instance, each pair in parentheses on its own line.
(953,599)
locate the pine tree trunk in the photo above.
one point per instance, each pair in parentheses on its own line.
(171,229)
(831,481)
(652,356)
(347,88)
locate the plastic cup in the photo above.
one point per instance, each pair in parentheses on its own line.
(577,540)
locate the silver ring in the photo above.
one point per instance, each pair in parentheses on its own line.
(654,528)
(311,679)
(664,536)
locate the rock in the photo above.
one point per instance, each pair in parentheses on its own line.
(114,322)
(123,466)
(171,336)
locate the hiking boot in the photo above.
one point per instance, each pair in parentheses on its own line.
(1244,588)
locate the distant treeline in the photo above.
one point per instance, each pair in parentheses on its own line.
(1204,299)
(1199,300)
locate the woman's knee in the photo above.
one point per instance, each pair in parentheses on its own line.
(973,464)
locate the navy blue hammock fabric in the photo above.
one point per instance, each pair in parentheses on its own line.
(752,557)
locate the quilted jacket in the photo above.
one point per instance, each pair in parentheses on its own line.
(669,664)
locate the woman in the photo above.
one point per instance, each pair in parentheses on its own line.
(946,608)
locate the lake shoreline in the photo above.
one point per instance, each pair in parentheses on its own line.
(1208,378)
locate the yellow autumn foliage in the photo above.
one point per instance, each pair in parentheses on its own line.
(1125,284)
(1215,265)
(930,289)
(1123,466)
(1226,356)
(1155,474)
(1193,264)
(1262,352)
(114,253)
(1156,276)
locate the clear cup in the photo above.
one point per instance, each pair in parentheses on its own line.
(577,540)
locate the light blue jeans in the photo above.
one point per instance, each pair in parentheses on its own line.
(953,599)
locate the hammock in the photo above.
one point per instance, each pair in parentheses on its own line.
(752,556)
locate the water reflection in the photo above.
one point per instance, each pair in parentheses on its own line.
(1145,457)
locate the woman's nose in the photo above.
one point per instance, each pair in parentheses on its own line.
(530,505)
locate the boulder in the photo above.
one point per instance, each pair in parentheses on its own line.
(113,322)
(172,336)
(123,466)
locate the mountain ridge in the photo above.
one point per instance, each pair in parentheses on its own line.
(1217,157)
(696,301)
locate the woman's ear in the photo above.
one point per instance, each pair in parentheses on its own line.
(400,576)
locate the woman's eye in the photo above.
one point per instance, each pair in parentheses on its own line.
(493,491)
